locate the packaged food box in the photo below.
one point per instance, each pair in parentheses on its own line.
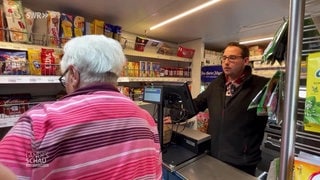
(14,104)
(13,62)
(185,52)
(312,102)
(142,68)
(15,20)
(88,28)
(148,69)
(98,26)
(155,68)
(130,69)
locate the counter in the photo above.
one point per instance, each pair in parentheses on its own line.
(209,168)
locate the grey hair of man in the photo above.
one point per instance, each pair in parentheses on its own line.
(97,58)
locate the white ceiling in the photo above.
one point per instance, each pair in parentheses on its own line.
(228,20)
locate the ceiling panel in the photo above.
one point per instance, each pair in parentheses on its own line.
(228,20)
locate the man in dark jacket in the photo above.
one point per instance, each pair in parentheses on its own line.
(236,132)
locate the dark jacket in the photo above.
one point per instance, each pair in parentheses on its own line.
(236,132)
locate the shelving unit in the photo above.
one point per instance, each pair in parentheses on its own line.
(27,79)
(153,79)
(38,85)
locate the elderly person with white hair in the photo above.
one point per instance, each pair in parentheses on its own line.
(94,132)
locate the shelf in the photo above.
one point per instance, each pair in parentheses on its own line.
(153,79)
(27,79)
(255,58)
(23,47)
(131,52)
(9,121)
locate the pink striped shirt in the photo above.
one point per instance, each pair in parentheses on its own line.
(93,133)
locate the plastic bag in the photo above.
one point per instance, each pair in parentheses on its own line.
(267,100)
(277,46)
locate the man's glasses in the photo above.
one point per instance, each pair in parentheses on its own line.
(62,78)
(231,58)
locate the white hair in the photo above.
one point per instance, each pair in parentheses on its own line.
(94,56)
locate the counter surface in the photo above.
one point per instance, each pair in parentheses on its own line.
(210,168)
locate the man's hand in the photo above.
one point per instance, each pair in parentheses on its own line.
(167,120)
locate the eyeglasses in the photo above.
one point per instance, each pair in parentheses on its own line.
(231,58)
(62,78)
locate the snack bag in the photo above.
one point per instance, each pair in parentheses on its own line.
(47,62)
(29,21)
(15,20)
(40,30)
(117,33)
(66,28)
(306,169)
(34,59)
(108,30)
(53,28)
(140,43)
(57,58)
(185,52)
(78,26)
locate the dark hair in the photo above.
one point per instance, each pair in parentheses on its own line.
(245,49)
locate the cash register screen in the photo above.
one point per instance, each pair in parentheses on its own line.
(152,95)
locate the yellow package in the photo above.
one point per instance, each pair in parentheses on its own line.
(98,26)
(312,103)
(304,170)
(79,26)
(34,60)
(57,58)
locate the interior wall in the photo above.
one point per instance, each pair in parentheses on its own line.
(198,45)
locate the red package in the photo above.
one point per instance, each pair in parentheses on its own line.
(14,104)
(48,66)
(185,52)
(140,43)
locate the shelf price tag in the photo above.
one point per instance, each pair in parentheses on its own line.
(51,79)
(11,80)
(32,80)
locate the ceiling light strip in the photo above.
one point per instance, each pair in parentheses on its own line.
(193,10)
(256,40)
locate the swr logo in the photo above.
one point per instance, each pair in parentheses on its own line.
(36,15)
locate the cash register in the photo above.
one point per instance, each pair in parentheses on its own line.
(186,143)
